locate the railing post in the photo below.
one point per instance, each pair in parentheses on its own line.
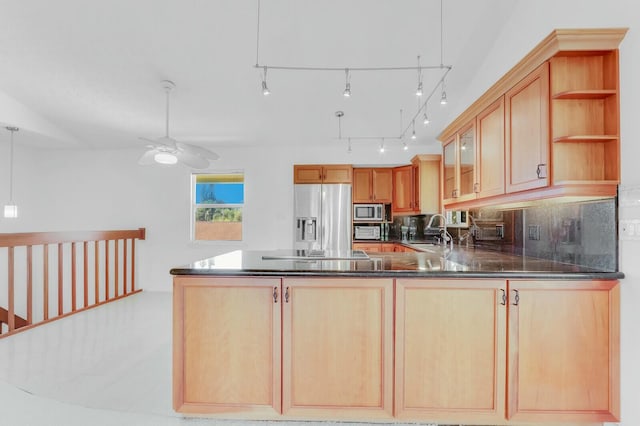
(73,276)
(117,268)
(45,261)
(11,320)
(30,284)
(60,280)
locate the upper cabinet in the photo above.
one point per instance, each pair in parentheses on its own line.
(584,112)
(490,151)
(527,130)
(372,185)
(318,173)
(416,186)
(548,128)
(460,165)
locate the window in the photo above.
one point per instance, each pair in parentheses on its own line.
(216,209)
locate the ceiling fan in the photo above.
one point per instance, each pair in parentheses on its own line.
(166,150)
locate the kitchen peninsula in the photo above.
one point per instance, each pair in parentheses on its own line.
(464,336)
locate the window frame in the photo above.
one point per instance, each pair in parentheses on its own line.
(194,205)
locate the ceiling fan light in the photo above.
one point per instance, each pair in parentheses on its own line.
(165,158)
(10,211)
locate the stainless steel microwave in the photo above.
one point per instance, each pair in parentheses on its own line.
(368,212)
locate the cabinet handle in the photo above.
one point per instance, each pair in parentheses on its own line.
(275,295)
(476,187)
(541,171)
(516,300)
(503,297)
(286,295)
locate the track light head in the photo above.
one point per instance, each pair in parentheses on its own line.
(265,89)
(413,136)
(347,91)
(347,84)
(426,120)
(443,98)
(404,146)
(419,89)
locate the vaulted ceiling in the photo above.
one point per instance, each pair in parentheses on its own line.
(86,74)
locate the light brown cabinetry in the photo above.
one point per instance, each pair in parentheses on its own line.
(403,189)
(490,171)
(460,165)
(367,247)
(584,114)
(561,125)
(450,350)
(320,173)
(372,185)
(556,358)
(462,350)
(564,342)
(226,340)
(527,130)
(416,187)
(338,348)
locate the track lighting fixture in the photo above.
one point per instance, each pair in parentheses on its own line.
(347,84)
(404,145)
(11,209)
(419,89)
(423,96)
(382,146)
(265,89)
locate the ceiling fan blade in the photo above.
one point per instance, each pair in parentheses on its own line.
(197,150)
(192,160)
(148,157)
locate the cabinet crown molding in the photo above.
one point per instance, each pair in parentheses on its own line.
(559,40)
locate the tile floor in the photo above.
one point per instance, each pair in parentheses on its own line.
(107,366)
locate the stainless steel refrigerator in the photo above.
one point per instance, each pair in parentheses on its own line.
(322,217)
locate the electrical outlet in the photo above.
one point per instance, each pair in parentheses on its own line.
(629,229)
(533,232)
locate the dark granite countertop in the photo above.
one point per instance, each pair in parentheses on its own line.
(432,261)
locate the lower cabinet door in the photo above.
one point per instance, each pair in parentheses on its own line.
(564,339)
(450,350)
(337,350)
(227,356)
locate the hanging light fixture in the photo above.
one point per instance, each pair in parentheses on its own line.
(419,89)
(413,133)
(426,120)
(443,96)
(11,209)
(420,92)
(404,145)
(347,85)
(382,146)
(265,89)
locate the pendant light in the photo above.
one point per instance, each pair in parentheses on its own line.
(11,210)
(419,91)
(413,132)
(265,89)
(347,85)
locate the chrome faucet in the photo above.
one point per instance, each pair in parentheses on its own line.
(446,237)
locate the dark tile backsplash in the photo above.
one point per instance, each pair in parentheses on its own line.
(577,233)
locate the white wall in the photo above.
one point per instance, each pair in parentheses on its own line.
(94,190)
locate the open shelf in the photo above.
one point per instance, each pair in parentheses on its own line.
(585,94)
(585,138)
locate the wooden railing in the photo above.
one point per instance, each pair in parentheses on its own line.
(89,268)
